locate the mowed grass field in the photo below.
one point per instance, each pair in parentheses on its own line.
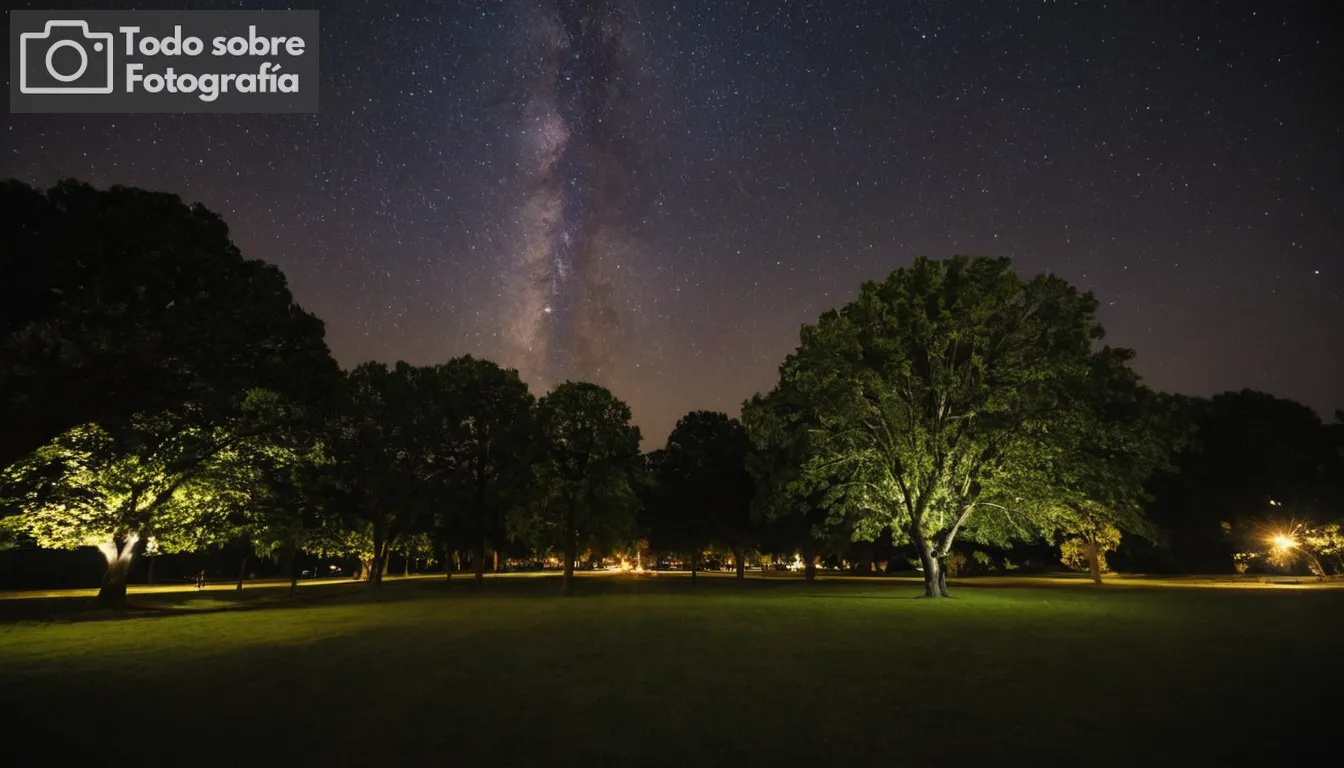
(654,671)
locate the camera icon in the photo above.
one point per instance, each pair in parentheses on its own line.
(42,73)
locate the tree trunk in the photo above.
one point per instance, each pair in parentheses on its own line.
(112,592)
(119,554)
(242,572)
(290,557)
(695,561)
(374,573)
(571,552)
(478,561)
(406,566)
(809,560)
(935,580)
(740,566)
(149,578)
(382,556)
(495,554)
(1094,561)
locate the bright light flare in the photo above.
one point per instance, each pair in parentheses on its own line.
(1282,541)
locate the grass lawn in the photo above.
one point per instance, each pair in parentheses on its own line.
(655,672)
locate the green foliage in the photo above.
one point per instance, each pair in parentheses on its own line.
(1075,551)
(273,482)
(476,424)
(1113,439)
(414,449)
(119,303)
(1327,543)
(341,539)
(586,474)
(154,478)
(375,479)
(942,389)
(788,514)
(419,546)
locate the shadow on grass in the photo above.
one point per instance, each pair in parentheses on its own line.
(164,604)
(189,602)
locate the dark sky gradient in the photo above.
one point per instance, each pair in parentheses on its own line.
(655,197)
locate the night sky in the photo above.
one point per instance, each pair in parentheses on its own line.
(655,195)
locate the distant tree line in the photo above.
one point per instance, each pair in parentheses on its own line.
(161,393)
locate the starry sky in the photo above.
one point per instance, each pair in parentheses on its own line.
(654,195)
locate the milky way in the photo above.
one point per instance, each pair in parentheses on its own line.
(684,183)
(571,241)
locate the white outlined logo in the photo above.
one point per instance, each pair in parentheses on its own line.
(166,61)
(99,42)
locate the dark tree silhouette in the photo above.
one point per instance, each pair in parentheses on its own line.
(586,475)
(376,480)
(480,427)
(1251,454)
(121,302)
(703,491)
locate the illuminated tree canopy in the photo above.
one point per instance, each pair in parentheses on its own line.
(161,478)
(935,403)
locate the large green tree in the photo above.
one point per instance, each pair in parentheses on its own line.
(122,302)
(479,429)
(376,482)
(134,338)
(159,477)
(703,491)
(586,474)
(929,403)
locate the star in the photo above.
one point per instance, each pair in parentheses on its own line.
(527,183)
